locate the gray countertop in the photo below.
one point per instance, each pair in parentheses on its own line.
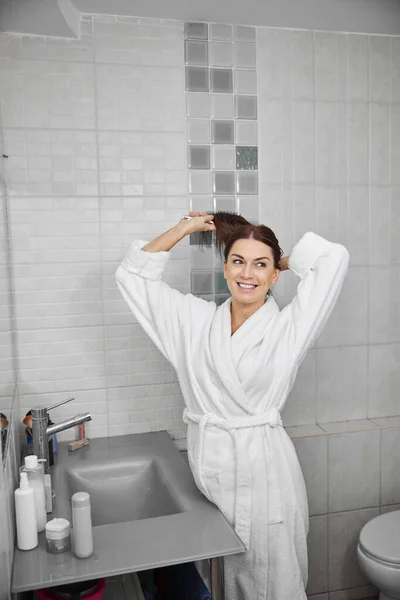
(199,531)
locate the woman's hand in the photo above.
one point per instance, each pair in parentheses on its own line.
(199,222)
(284,263)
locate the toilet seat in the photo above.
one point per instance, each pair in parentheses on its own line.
(380,538)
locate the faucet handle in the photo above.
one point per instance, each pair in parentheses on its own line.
(61,403)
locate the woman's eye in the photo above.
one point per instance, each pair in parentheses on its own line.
(237,261)
(261,264)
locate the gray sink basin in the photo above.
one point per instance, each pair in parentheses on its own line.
(125,490)
(146,510)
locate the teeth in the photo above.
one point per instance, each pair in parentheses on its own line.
(246,286)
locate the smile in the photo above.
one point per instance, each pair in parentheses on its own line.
(246,286)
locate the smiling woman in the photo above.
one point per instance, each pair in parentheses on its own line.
(236,364)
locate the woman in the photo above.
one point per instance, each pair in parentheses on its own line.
(236,365)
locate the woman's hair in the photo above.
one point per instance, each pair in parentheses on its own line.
(231,227)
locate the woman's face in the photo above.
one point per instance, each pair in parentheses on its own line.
(249,271)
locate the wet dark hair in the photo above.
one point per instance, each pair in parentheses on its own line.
(231,227)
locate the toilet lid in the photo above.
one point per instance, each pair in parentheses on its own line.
(381,537)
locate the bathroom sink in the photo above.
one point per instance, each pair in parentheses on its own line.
(123,490)
(147,512)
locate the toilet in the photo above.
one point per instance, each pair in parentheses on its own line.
(378,554)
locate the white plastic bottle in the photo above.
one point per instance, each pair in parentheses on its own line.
(82,534)
(25,515)
(34,471)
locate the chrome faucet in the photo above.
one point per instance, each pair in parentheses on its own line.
(41,430)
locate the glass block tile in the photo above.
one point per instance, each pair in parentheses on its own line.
(221,80)
(201,258)
(223,182)
(222,106)
(197,79)
(199,157)
(222,132)
(248,206)
(220,32)
(197,105)
(246,133)
(246,182)
(223,158)
(226,203)
(220,283)
(198,131)
(196,31)
(245,81)
(221,54)
(196,53)
(241,33)
(200,183)
(245,55)
(221,298)
(202,282)
(247,157)
(200,204)
(246,107)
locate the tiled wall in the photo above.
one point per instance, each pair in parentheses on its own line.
(329,118)
(8,483)
(94,161)
(221,108)
(342,499)
(96,131)
(9,440)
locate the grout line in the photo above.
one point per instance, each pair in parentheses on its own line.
(99,211)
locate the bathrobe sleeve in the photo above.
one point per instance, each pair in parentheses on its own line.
(322,267)
(159,309)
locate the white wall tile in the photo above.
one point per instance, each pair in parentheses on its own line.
(325,66)
(303,65)
(353,217)
(270,123)
(303,210)
(357,68)
(343,530)
(356,486)
(379,159)
(300,407)
(390,491)
(342,383)
(379,68)
(274,69)
(326,143)
(384,380)
(395,144)
(357,116)
(348,323)
(395,224)
(276,209)
(380,226)
(384,314)
(317,555)
(313,457)
(395,69)
(303,143)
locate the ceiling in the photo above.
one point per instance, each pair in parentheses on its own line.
(60,18)
(363,16)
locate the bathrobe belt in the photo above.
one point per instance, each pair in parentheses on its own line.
(243,501)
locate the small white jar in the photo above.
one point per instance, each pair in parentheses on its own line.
(58,537)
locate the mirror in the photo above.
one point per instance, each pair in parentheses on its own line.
(7,346)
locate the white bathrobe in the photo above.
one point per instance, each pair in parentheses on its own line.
(234,387)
